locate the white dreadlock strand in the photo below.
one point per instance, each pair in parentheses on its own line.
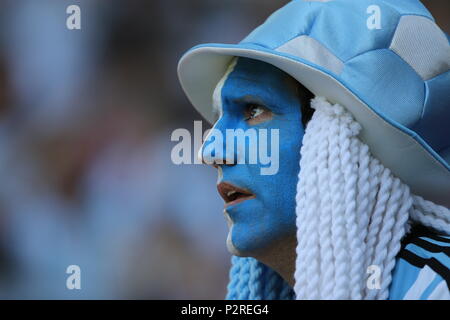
(430,214)
(351,211)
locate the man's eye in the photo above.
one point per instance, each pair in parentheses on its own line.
(255,113)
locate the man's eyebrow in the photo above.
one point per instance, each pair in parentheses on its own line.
(249,99)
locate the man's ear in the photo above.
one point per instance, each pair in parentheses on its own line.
(305,97)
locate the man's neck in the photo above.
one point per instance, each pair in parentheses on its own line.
(281,258)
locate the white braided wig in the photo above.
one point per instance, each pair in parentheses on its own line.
(351,211)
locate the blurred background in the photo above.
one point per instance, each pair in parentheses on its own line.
(85,123)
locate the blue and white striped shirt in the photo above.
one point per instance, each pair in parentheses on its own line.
(422,271)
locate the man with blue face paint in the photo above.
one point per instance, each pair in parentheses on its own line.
(260,208)
(358,208)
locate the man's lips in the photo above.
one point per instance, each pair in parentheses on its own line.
(232,194)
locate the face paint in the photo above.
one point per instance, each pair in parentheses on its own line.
(260,208)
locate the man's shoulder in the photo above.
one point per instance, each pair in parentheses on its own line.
(423,266)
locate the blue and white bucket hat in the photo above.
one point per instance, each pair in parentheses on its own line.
(392,73)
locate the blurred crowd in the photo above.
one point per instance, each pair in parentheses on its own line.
(85,123)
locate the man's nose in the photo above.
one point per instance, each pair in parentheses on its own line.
(214,150)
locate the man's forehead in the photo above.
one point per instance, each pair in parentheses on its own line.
(256,71)
(248,76)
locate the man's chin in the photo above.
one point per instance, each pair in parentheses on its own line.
(238,249)
(231,247)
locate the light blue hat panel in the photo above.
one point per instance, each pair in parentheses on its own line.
(422,45)
(346,34)
(409,7)
(434,127)
(388,84)
(292,20)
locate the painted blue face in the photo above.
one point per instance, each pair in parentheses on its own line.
(258,95)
